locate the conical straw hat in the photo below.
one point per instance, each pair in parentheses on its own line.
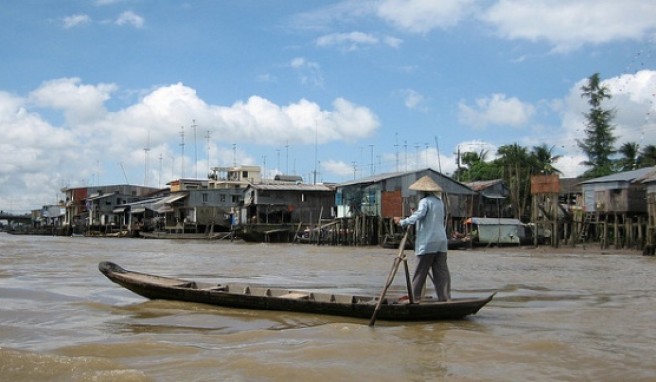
(425,183)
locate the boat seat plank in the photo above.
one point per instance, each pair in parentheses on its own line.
(296,296)
(342,299)
(260,291)
(322,297)
(190,284)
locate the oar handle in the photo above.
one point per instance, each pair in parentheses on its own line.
(390,278)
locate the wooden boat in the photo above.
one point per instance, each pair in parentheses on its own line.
(246,296)
(265,233)
(184,235)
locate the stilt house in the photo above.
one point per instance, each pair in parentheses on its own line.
(615,206)
(491,200)
(382,197)
(650,183)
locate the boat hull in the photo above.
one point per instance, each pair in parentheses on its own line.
(183,235)
(245,296)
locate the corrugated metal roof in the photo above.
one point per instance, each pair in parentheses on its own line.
(626,176)
(172,198)
(482,184)
(494,221)
(376,178)
(292,187)
(97,196)
(464,189)
(650,177)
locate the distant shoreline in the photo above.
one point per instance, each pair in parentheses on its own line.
(587,248)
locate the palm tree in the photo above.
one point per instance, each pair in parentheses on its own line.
(476,168)
(630,156)
(543,159)
(647,156)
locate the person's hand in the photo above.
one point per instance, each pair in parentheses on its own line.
(397,220)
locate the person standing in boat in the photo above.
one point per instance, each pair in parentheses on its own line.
(431,242)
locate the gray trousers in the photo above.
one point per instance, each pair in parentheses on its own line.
(435,262)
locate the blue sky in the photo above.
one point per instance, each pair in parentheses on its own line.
(105,91)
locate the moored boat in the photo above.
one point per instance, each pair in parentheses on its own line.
(245,296)
(184,235)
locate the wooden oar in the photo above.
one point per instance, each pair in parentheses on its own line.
(390,278)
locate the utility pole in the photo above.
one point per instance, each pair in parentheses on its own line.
(405,147)
(159,182)
(316,140)
(146,159)
(193,124)
(371,170)
(182,144)
(287,157)
(209,166)
(396,150)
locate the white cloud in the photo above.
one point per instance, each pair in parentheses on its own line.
(76,20)
(422,16)
(563,24)
(267,77)
(130,18)
(349,41)
(496,110)
(339,168)
(79,102)
(413,99)
(393,42)
(568,25)
(93,140)
(355,40)
(309,72)
(340,13)
(32,151)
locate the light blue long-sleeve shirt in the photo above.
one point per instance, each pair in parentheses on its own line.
(429,223)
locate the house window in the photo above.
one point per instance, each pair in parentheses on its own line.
(222,198)
(244,174)
(205,198)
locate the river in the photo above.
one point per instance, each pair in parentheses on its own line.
(557,316)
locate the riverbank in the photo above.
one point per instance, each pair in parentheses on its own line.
(579,249)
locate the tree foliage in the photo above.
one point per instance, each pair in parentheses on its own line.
(647,156)
(598,144)
(543,159)
(516,164)
(476,168)
(629,156)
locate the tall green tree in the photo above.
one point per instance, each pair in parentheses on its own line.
(516,172)
(598,144)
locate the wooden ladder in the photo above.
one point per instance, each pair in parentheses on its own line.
(588,218)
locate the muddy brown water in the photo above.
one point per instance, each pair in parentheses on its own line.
(556,316)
